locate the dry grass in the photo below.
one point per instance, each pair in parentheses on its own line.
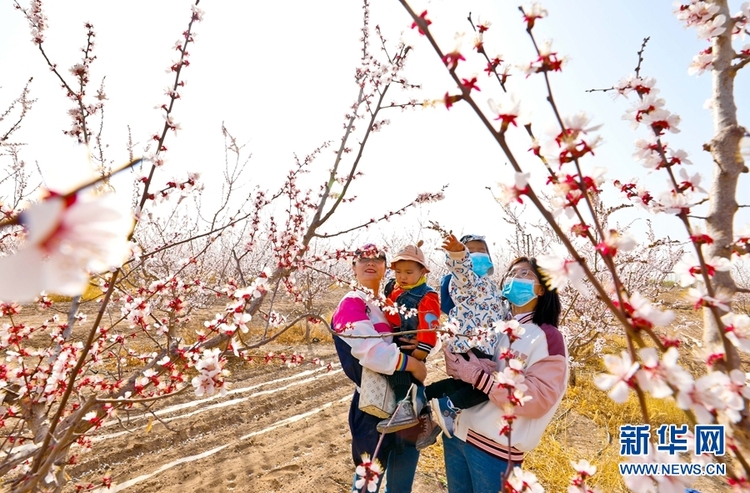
(431,462)
(587,427)
(92,292)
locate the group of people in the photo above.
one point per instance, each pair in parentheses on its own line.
(467,406)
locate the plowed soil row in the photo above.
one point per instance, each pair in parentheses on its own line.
(277,429)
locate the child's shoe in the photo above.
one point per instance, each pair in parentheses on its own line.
(430,431)
(444,413)
(403,418)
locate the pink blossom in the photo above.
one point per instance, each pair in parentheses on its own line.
(696,13)
(174,126)
(522,481)
(583,467)
(507,109)
(672,202)
(583,470)
(661,120)
(79,70)
(483,25)
(427,198)
(644,310)
(67,237)
(571,142)
(689,182)
(712,28)
(640,85)
(37,21)
(715,393)
(578,124)
(620,379)
(658,377)
(368,471)
(644,148)
(211,367)
(511,328)
(642,107)
(699,298)
(532,12)
(738,330)
(702,62)
(689,269)
(451,59)
(547,61)
(513,193)
(422,20)
(197,13)
(558,270)
(679,157)
(615,242)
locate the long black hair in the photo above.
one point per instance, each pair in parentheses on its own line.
(548,307)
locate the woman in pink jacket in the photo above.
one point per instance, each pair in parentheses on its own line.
(477,455)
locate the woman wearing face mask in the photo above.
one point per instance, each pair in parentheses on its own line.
(360,314)
(477,305)
(478,455)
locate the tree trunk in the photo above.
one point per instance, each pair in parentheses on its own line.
(728,165)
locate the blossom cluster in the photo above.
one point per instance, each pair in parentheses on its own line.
(572,206)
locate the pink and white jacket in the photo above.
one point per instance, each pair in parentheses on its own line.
(545,357)
(356,315)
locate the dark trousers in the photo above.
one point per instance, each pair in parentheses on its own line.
(462,394)
(400,382)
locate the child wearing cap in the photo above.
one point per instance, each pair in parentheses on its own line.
(415,306)
(475,302)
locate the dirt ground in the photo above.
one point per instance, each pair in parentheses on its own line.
(277,429)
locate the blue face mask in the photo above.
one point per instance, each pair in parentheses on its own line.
(519,291)
(480,263)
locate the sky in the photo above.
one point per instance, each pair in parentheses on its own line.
(279,75)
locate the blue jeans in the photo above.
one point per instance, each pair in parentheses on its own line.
(471,470)
(400,471)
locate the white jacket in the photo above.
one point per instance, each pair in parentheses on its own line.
(545,357)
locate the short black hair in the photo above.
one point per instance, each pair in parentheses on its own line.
(548,308)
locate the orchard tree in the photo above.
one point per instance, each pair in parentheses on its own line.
(154,265)
(575,190)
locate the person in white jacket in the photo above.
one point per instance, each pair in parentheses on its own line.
(359,314)
(477,455)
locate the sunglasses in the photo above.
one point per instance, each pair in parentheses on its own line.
(367,260)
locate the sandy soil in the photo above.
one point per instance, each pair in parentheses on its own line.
(277,429)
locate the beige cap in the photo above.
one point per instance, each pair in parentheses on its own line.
(411,252)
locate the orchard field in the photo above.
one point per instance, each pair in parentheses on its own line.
(170,258)
(283,427)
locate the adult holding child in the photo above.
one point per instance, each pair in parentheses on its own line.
(477,455)
(359,314)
